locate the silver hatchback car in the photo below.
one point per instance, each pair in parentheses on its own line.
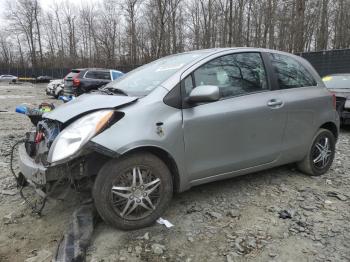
(182,121)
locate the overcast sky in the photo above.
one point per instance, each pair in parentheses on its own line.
(45,4)
(2,8)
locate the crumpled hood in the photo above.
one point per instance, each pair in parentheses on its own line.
(86,103)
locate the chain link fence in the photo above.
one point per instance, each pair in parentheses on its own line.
(330,61)
(325,62)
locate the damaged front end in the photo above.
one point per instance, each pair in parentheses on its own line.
(35,170)
(73,167)
(58,149)
(33,153)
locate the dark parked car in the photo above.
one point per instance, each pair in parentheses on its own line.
(80,81)
(339,84)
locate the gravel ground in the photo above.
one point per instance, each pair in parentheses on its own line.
(231,220)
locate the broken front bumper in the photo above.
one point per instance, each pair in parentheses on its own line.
(37,172)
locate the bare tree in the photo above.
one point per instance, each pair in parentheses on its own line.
(131,6)
(21,15)
(109,34)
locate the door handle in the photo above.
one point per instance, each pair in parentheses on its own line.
(275,103)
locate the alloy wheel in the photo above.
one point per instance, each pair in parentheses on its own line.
(321,154)
(136,193)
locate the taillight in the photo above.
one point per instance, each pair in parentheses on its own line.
(76,82)
(334,101)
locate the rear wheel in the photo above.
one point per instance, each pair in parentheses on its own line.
(320,155)
(132,192)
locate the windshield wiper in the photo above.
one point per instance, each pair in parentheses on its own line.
(112,91)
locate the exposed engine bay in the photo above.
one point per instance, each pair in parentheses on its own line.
(58,149)
(77,173)
(39,140)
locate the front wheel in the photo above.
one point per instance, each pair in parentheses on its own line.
(132,192)
(60,93)
(320,155)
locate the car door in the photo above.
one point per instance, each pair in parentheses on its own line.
(243,129)
(303,100)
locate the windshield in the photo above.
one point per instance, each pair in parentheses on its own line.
(143,80)
(337,81)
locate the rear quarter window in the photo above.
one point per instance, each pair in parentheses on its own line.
(290,72)
(103,75)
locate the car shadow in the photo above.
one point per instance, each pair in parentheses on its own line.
(276,176)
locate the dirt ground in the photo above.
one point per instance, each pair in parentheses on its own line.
(231,220)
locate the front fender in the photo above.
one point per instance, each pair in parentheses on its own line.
(148,124)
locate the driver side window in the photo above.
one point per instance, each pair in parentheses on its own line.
(235,75)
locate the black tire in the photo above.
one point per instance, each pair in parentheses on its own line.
(120,170)
(307,165)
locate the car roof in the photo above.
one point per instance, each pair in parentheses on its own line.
(205,52)
(221,49)
(94,69)
(213,51)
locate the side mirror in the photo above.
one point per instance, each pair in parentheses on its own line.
(202,94)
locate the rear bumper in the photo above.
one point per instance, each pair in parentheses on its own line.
(70,91)
(345,117)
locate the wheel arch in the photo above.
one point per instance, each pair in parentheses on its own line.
(331,127)
(165,157)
